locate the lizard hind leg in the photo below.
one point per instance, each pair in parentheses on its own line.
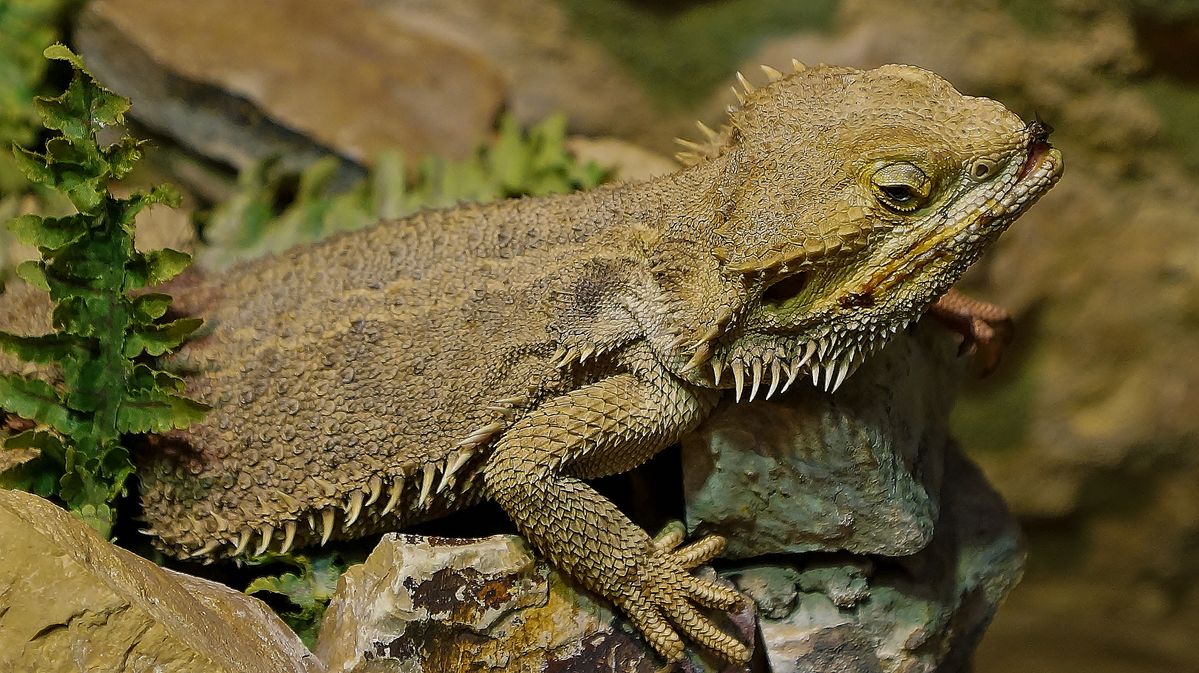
(529,473)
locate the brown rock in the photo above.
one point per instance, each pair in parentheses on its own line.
(549,64)
(238,81)
(433,605)
(70,601)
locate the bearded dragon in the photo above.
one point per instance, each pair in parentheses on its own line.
(514,350)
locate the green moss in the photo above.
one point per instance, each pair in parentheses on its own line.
(682,53)
(1037,16)
(994,415)
(1178,105)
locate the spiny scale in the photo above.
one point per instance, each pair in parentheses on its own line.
(827,374)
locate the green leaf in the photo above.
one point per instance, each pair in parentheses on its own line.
(61,153)
(151,306)
(126,210)
(310,591)
(40,349)
(158,339)
(33,272)
(123,155)
(37,401)
(107,108)
(68,112)
(86,193)
(60,52)
(33,166)
(159,266)
(51,233)
(98,515)
(39,476)
(158,412)
(145,378)
(46,443)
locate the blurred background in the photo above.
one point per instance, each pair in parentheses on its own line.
(281,119)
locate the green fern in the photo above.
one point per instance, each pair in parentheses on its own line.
(104,334)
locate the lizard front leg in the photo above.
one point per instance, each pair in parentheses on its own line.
(620,421)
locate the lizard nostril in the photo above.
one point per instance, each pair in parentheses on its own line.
(1039,129)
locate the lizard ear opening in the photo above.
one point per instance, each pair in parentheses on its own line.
(786,289)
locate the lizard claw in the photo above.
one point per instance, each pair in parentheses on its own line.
(661,605)
(985,328)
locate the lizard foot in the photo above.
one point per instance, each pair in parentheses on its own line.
(985,328)
(661,604)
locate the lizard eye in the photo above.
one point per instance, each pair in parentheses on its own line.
(901,187)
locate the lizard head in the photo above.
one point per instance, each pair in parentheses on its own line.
(846,202)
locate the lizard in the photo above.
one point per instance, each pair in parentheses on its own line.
(515,350)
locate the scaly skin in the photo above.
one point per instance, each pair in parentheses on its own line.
(513,350)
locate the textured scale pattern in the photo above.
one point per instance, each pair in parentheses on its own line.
(511,351)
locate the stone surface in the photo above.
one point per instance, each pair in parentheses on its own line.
(72,602)
(432,605)
(843,614)
(858,471)
(548,63)
(624,160)
(239,81)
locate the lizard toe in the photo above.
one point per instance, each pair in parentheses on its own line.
(671,536)
(699,552)
(701,630)
(653,626)
(712,595)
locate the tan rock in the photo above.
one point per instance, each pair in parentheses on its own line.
(72,602)
(436,605)
(626,161)
(238,81)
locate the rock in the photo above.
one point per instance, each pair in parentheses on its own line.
(626,161)
(922,613)
(430,605)
(858,471)
(240,81)
(548,61)
(70,601)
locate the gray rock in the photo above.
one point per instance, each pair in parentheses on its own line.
(922,613)
(857,471)
(72,602)
(421,604)
(239,81)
